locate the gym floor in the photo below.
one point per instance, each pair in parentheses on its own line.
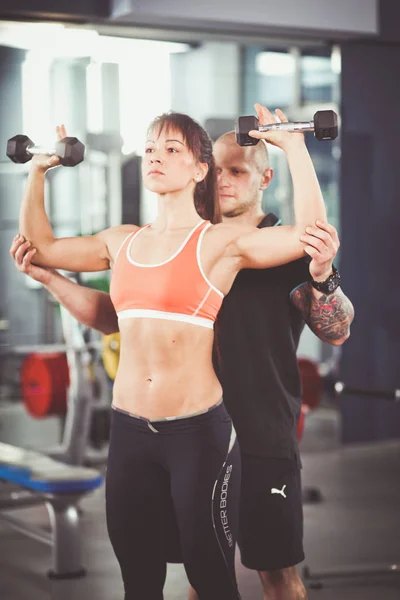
(356,525)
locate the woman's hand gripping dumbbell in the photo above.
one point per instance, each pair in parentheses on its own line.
(68,151)
(248,128)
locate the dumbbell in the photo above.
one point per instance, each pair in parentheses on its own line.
(324,126)
(71,151)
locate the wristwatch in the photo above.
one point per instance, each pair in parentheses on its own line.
(329,285)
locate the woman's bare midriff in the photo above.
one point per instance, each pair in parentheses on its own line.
(165,369)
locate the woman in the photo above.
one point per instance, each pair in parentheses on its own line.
(171,437)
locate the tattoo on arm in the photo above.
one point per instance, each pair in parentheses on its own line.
(329,316)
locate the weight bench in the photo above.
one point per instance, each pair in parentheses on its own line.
(38,479)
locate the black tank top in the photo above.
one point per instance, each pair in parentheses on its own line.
(258,331)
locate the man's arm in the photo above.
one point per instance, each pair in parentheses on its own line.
(90,307)
(329,316)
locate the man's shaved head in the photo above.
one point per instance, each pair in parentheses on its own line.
(243,174)
(257,154)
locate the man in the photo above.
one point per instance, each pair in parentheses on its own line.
(257,337)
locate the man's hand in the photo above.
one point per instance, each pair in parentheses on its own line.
(322,245)
(329,316)
(22,253)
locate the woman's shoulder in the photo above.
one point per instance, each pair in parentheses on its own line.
(117,231)
(222,238)
(114,237)
(126,228)
(230,230)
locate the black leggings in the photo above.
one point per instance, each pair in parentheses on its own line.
(174,483)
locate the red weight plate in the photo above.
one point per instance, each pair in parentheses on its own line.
(311,382)
(44,383)
(300,425)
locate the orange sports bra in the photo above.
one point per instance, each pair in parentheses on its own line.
(176,289)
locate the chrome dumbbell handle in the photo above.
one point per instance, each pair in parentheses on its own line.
(294,126)
(41,150)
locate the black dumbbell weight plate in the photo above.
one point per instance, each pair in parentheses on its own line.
(71,151)
(16,148)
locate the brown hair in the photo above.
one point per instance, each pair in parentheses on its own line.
(199,143)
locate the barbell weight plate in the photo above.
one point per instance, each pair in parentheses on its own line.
(44,384)
(300,424)
(311,381)
(110,354)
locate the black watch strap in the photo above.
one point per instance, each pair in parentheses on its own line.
(330,284)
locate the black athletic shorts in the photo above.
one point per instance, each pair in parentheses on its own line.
(271,513)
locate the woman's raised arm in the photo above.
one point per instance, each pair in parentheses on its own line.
(86,253)
(270,247)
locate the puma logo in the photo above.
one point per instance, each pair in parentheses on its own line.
(281,492)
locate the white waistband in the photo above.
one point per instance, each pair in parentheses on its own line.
(144,313)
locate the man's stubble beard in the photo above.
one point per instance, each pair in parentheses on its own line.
(239,210)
